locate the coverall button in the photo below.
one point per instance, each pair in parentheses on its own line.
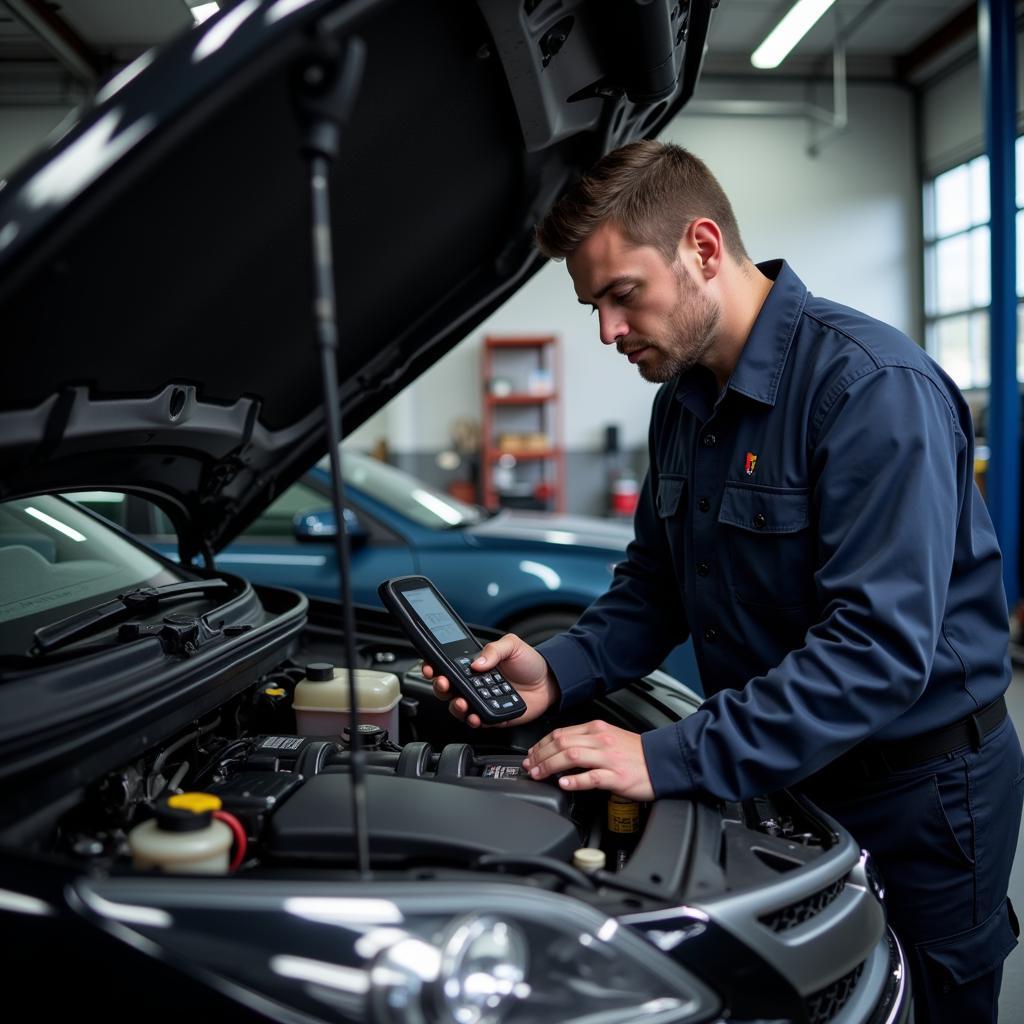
(710,440)
(760,520)
(711,634)
(703,568)
(703,504)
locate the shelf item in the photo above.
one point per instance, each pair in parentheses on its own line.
(523,456)
(522,423)
(521,399)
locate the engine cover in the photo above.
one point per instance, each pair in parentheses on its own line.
(414,817)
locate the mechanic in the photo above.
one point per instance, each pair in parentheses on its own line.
(810,519)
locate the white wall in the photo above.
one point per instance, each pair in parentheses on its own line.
(23,130)
(846,220)
(953,120)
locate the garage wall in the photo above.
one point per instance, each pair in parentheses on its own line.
(23,130)
(953,121)
(847,220)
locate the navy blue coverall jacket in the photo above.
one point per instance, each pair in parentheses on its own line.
(816,529)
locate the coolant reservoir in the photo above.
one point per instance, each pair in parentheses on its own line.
(183,837)
(322,707)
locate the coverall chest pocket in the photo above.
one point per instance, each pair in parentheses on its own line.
(769,545)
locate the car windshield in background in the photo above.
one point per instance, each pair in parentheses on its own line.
(404,493)
(54,558)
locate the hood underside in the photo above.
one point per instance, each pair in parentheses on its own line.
(155,262)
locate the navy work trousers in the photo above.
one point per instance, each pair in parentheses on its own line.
(943,835)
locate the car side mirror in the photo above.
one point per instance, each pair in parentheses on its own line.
(319,524)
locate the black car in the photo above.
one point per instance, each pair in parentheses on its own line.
(157,314)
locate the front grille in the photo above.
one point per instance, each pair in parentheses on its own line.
(803,910)
(823,1005)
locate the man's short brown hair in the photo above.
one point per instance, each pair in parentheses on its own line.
(652,191)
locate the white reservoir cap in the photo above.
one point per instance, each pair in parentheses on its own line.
(588,859)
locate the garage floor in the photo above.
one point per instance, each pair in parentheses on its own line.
(1011,1000)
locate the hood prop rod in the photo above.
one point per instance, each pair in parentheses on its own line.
(325,84)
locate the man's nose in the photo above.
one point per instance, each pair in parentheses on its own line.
(613,327)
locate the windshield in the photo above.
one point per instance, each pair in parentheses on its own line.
(55,558)
(407,495)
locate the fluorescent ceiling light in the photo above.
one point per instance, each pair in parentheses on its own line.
(200,12)
(55,523)
(794,26)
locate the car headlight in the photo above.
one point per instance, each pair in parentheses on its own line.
(411,952)
(528,958)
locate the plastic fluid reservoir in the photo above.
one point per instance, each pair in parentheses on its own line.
(183,837)
(321,701)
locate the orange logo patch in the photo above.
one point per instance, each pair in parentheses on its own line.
(751,463)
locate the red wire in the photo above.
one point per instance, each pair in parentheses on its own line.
(241,842)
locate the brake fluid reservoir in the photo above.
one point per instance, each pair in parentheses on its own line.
(183,837)
(322,706)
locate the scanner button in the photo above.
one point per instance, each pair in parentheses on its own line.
(509,704)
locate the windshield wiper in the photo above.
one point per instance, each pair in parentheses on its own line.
(141,601)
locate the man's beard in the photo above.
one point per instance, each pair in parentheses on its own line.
(690,333)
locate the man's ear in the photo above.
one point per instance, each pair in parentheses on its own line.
(704,238)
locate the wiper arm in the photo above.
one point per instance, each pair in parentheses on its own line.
(141,601)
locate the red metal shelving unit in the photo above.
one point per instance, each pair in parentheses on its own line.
(505,355)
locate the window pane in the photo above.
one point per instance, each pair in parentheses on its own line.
(1020,253)
(953,200)
(979,190)
(951,348)
(952,274)
(1020,171)
(1020,331)
(931,283)
(979,350)
(928,210)
(981,278)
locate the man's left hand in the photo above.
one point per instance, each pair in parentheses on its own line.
(610,758)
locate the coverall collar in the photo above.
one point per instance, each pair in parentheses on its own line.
(763,359)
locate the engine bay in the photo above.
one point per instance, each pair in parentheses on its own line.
(439,797)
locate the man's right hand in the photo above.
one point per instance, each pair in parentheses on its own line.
(520,664)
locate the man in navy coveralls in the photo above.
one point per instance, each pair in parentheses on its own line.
(810,519)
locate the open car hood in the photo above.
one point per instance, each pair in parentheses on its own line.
(155,262)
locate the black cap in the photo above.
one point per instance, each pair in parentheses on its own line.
(368,733)
(320,672)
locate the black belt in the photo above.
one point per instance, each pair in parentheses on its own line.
(871,761)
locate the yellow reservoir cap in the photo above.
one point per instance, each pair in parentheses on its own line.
(197,803)
(274,691)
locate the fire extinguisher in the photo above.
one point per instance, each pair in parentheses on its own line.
(625,493)
(623,488)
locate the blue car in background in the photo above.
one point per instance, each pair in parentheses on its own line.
(527,573)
